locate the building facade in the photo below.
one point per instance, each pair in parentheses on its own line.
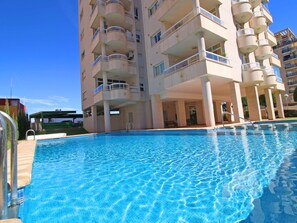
(173,63)
(286,50)
(14,106)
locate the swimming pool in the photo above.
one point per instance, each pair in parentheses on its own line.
(168,177)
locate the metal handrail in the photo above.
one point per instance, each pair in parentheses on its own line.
(13,159)
(30,130)
(225,112)
(3,169)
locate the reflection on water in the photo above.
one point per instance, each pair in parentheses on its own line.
(279,201)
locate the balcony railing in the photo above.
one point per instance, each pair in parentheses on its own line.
(251,66)
(292,82)
(290,65)
(193,59)
(263,42)
(275,55)
(239,1)
(117,86)
(98,89)
(114,57)
(189,17)
(292,74)
(244,32)
(258,14)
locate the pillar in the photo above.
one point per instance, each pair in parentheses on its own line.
(207,102)
(181,113)
(201,45)
(279,105)
(236,102)
(269,104)
(253,103)
(196,3)
(200,113)
(106,116)
(157,112)
(230,114)
(218,111)
(95,118)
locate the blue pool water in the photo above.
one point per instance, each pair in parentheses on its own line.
(156,178)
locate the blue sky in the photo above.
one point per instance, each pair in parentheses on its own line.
(39,50)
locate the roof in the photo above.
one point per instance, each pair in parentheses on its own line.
(56,114)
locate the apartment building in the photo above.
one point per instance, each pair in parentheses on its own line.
(286,50)
(173,63)
(113,72)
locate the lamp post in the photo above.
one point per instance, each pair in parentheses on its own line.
(286,97)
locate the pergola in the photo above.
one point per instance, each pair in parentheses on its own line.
(55,114)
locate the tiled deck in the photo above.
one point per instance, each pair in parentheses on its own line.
(26,151)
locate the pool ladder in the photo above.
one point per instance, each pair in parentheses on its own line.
(8,210)
(229,113)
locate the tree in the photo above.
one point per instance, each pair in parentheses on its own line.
(295,94)
(23,124)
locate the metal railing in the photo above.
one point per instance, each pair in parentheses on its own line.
(251,66)
(263,42)
(30,130)
(4,120)
(189,17)
(231,114)
(244,32)
(195,58)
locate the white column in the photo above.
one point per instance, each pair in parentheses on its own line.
(95,118)
(207,102)
(106,116)
(269,104)
(201,45)
(236,102)
(157,112)
(279,105)
(181,113)
(253,103)
(196,3)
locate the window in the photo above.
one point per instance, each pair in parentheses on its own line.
(153,8)
(141,85)
(84,96)
(158,69)
(82,56)
(81,34)
(81,15)
(277,73)
(137,38)
(156,38)
(136,13)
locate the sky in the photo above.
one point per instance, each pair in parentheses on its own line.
(39,50)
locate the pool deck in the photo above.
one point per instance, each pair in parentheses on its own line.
(26,151)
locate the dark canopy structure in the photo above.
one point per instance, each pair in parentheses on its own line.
(56,114)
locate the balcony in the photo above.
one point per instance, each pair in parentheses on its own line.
(292,83)
(199,64)
(252,74)
(267,15)
(275,60)
(117,39)
(269,77)
(242,10)
(116,15)
(116,65)
(290,66)
(258,22)
(271,38)
(264,50)
(182,35)
(97,10)
(291,74)
(247,40)
(99,37)
(117,92)
(255,3)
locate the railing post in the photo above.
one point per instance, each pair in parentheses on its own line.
(13,159)
(3,169)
